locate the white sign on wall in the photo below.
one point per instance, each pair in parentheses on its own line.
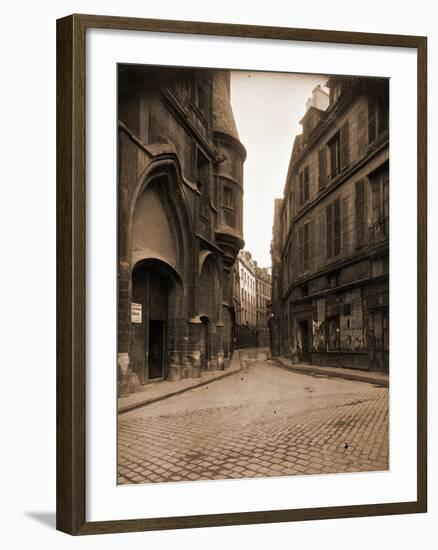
(136,313)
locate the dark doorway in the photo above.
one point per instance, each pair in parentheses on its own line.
(304,331)
(157,348)
(203,344)
(150,290)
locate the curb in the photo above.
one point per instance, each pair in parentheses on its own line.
(341,374)
(128,408)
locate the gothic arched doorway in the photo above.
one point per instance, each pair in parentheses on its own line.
(151,290)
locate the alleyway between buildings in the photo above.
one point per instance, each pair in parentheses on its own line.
(260,421)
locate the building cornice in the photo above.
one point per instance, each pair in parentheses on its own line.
(381,250)
(357,282)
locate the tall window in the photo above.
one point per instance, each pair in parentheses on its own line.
(304,185)
(339,150)
(228,206)
(378,111)
(360,204)
(202,97)
(380,201)
(361,133)
(333,234)
(303,247)
(322,169)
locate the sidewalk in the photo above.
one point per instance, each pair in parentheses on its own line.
(380,378)
(156,391)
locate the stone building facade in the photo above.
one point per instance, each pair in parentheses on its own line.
(180,222)
(247,268)
(252,294)
(276,305)
(331,250)
(263,299)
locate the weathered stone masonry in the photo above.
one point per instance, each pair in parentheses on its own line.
(180,222)
(330,251)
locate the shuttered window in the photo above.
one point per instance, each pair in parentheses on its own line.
(306,247)
(329,231)
(383,112)
(300,248)
(378,113)
(361,133)
(371,120)
(304,185)
(337,227)
(339,150)
(322,169)
(360,212)
(344,146)
(301,187)
(303,247)
(334,150)
(333,238)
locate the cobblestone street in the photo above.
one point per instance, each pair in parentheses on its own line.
(261,421)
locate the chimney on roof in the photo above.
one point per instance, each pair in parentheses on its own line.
(319,99)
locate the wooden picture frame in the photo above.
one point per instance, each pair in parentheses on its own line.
(71,272)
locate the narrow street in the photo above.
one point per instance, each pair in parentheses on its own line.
(261,421)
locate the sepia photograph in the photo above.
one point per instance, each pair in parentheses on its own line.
(253,274)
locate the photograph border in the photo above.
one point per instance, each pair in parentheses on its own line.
(71,273)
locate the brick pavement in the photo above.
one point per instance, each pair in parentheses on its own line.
(265,422)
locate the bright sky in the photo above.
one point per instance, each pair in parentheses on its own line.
(267,108)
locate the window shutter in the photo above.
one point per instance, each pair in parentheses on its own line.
(329,225)
(306,184)
(312,245)
(344,146)
(371,120)
(375,185)
(296,255)
(301,188)
(301,249)
(361,133)
(322,169)
(306,246)
(360,212)
(336,227)
(383,113)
